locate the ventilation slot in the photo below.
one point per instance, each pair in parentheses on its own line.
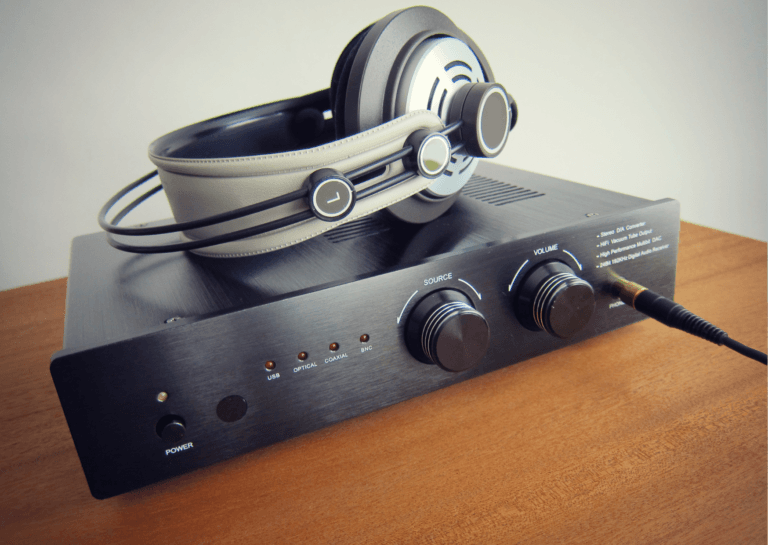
(364,227)
(495,192)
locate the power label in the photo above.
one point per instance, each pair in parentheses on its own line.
(180,448)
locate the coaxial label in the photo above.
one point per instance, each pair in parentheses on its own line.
(335,358)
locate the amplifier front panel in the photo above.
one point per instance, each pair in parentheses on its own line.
(210,366)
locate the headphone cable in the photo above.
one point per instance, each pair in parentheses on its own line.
(674,315)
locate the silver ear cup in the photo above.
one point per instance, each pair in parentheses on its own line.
(400,50)
(432,75)
(435,71)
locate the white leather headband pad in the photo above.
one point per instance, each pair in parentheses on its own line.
(197,188)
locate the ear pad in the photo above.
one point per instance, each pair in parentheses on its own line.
(340,77)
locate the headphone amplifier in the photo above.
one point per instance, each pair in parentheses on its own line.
(172,362)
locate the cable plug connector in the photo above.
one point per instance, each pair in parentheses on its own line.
(674,315)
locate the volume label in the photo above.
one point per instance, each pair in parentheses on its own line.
(546,249)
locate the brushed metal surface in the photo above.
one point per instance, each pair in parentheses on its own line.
(235,315)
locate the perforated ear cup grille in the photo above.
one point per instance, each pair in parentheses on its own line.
(340,80)
(433,74)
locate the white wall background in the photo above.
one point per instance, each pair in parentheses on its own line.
(661,98)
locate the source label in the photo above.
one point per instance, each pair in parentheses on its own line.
(436,279)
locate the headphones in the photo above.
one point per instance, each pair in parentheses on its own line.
(411,107)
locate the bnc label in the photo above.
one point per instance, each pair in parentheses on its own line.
(174,450)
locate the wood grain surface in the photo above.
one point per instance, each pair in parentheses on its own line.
(643,435)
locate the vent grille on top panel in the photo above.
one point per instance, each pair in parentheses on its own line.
(495,192)
(481,188)
(364,227)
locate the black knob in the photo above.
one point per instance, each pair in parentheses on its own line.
(171,428)
(444,328)
(553,298)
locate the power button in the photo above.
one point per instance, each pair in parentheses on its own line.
(171,428)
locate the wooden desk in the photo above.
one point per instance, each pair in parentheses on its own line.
(644,435)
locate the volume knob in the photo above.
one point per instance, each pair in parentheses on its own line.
(554,299)
(444,328)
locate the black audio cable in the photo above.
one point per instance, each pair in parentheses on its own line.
(674,315)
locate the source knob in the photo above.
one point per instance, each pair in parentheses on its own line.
(444,328)
(554,299)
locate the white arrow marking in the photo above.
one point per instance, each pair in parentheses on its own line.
(518,272)
(473,288)
(574,258)
(406,304)
(338,198)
